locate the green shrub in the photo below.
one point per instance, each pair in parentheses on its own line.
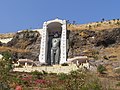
(98,25)
(118,84)
(95,57)
(101,69)
(8,61)
(75,80)
(90,26)
(62,76)
(5,67)
(95,52)
(44,72)
(91,86)
(36,73)
(51,73)
(74,73)
(17,80)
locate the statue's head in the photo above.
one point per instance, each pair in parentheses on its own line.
(55,35)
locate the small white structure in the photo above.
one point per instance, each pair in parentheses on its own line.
(25,62)
(75,58)
(50,27)
(6,40)
(80,61)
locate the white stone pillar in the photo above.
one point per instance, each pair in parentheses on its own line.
(43,47)
(63,45)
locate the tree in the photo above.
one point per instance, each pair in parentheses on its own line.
(103,19)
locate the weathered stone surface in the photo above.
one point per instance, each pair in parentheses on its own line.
(29,40)
(108,37)
(88,40)
(78,41)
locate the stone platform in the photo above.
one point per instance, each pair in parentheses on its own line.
(49,69)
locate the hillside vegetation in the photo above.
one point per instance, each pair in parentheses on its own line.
(103,25)
(7,35)
(12,49)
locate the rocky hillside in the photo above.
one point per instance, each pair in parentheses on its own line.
(93,43)
(97,42)
(24,45)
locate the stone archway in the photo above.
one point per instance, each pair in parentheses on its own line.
(49,29)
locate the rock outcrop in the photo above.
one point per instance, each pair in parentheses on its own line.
(108,37)
(26,40)
(89,42)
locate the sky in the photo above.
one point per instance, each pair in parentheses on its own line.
(17,15)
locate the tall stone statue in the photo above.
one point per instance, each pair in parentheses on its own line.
(55,50)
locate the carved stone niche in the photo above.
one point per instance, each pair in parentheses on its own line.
(50,28)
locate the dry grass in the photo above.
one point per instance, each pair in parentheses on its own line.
(7,35)
(95,25)
(3,48)
(112,51)
(109,83)
(80,27)
(22,44)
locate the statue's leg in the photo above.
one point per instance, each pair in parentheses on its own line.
(57,56)
(52,56)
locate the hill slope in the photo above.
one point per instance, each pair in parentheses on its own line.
(93,40)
